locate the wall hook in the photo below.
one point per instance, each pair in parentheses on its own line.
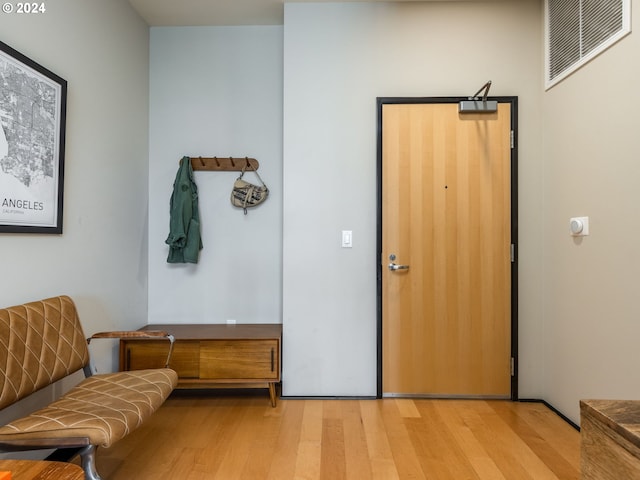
(224,164)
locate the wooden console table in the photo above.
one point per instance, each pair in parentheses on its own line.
(610,439)
(212,355)
(41,470)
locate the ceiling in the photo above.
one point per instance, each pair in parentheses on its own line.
(220,12)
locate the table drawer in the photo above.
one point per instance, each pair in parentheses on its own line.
(239,359)
(185,359)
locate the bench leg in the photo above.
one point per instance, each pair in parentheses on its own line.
(88,458)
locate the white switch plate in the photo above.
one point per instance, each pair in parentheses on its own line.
(347,239)
(577,222)
(231,321)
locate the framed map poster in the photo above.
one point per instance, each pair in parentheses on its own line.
(32,133)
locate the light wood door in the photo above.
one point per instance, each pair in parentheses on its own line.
(446,213)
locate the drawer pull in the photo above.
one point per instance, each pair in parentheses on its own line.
(272,359)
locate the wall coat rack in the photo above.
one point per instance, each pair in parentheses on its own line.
(224,164)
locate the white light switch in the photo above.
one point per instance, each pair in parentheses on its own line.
(579,226)
(347,239)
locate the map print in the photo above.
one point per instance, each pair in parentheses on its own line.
(28,146)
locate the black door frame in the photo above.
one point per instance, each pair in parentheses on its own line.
(513,100)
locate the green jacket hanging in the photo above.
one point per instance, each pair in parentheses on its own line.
(184,223)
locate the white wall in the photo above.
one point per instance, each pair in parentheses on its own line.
(591,154)
(101,49)
(337,59)
(217,91)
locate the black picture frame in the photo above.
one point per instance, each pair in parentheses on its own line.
(33,108)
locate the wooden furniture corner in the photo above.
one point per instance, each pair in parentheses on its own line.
(213,355)
(41,470)
(610,439)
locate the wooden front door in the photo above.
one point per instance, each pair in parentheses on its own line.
(446,320)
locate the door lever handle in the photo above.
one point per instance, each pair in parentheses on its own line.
(393,267)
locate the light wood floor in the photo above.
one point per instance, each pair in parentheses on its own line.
(200,437)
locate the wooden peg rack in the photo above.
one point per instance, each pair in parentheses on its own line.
(224,164)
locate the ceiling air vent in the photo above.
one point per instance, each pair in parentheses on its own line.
(578,30)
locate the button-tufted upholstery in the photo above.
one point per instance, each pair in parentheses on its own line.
(43,342)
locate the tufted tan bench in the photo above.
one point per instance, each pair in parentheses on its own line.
(42,342)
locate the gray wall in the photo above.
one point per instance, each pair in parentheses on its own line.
(590,155)
(217,91)
(102,50)
(337,59)
(301,99)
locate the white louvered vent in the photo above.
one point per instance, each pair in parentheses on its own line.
(578,30)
